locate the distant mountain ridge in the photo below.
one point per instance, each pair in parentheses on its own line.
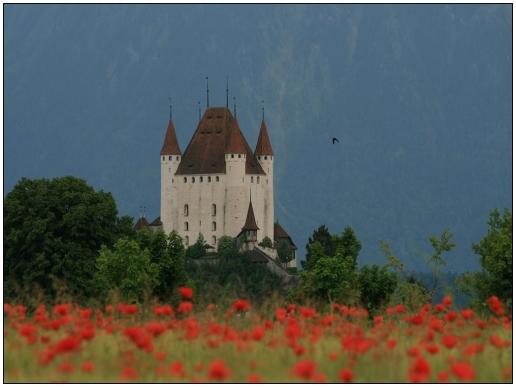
(419,96)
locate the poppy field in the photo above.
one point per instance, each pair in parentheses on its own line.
(290,343)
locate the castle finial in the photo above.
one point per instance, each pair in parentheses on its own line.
(227,91)
(263,110)
(170,108)
(199,106)
(207,93)
(234,107)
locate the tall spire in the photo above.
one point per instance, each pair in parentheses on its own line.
(263,145)
(199,106)
(227,92)
(263,110)
(207,94)
(170,107)
(170,144)
(234,107)
(250,221)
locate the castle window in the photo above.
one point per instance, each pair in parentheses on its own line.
(163,158)
(217,178)
(213,209)
(251,179)
(239,156)
(177,158)
(214,240)
(209,179)
(201,179)
(185,211)
(186,226)
(193,179)
(170,157)
(184,180)
(187,240)
(232,156)
(214,226)
(265,157)
(258,179)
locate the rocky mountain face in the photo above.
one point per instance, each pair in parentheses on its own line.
(420,98)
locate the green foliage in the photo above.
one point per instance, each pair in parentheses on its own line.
(226,248)
(495,251)
(53,230)
(393,262)
(347,246)
(323,237)
(127,269)
(198,249)
(266,242)
(285,255)
(376,284)
(330,279)
(440,244)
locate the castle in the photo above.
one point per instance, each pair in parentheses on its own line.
(219,186)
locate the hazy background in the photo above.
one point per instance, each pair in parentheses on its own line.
(419,96)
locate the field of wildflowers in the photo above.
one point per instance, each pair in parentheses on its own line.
(125,343)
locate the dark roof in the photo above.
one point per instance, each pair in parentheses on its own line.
(250,221)
(217,133)
(256,256)
(141,223)
(280,233)
(170,144)
(157,222)
(263,145)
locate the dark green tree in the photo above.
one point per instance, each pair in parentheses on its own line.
(226,248)
(347,246)
(285,255)
(322,236)
(377,284)
(127,269)
(198,249)
(53,230)
(495,251)
(266,242)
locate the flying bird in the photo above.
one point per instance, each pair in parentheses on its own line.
(334,140)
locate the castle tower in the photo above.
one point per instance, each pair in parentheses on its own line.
(265,156)
(247,238)
(170,158)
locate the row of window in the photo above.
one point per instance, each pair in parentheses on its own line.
(213,210)
(185,179)
(169,158)
(213,226)
(213,240)
(264,157)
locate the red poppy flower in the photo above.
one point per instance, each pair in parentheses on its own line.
(449,341)
(218,370)
(419,370)
(241,305)
(185,307)
(87,366)
(66,367)
(304,369)
(253,378)
(129,373)
(463,371)
(257,333)
(346,375)
(186,293)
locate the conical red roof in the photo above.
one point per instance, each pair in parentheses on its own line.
(218,133)
(170,145)
(250,221)
(263,145)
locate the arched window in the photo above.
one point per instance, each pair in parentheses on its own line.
(177,158)
(186,226)
(232,156)
(184,179)
(209,179)
(170,157)
(251,179)
(214,226)
(200,179)
(187,240)
(163,158)
(217,178)
(193,179)
(258,179)
(239,156)
(265,157)
(214,240)
(185,210)
(213,209)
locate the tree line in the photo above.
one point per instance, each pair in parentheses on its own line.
(63,237)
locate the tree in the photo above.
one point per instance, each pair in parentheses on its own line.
(198,249)
(126,268)
(330,279)
(347,246)
(226,248)
(266,242)
(495,251)
(376,284)
(53,230)
(284,253)
(324,238)
(440,244)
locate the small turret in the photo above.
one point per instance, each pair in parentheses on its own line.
(248,236)
(263,145)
